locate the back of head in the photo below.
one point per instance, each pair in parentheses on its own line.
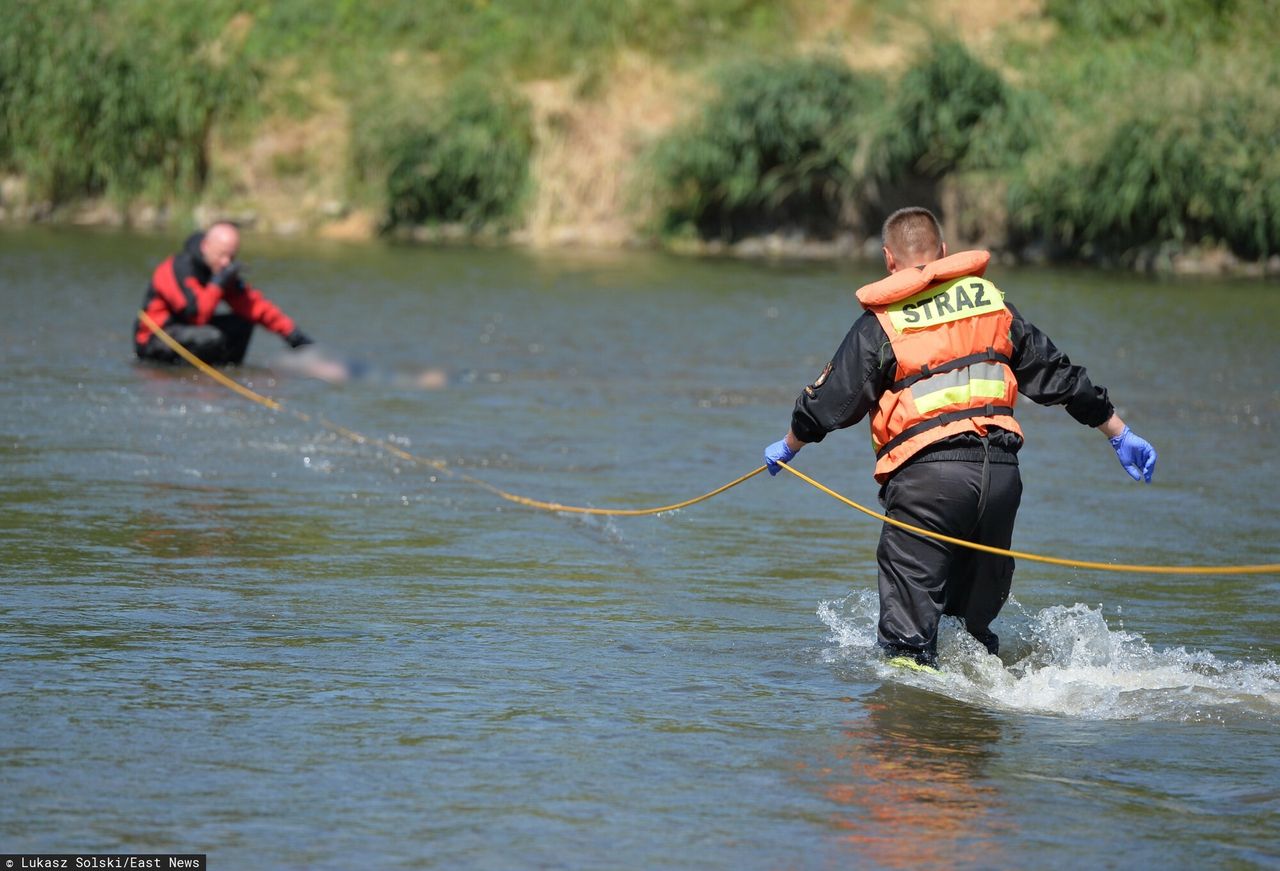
(912,236)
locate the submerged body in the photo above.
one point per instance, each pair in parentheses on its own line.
(315,362)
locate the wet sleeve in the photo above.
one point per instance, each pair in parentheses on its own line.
(1048,377)
(849,386)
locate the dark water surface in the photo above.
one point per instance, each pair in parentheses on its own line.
(226,630)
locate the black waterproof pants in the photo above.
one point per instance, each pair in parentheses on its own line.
(921,578)
(225,339)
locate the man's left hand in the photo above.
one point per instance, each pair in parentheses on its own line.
(1136,455)
(298,338)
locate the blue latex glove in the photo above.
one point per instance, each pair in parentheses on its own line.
(1136,455)
(777,452)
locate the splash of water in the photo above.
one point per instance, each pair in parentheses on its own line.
(1065,661)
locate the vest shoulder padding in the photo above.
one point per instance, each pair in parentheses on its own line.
(907,282)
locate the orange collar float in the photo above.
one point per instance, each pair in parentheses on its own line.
(907,282)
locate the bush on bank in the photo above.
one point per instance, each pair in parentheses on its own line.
(1136,149)
(1204,173)
(808,144)
(1168,128)
(775,149)
(950,111)
(118,104)
(465,162)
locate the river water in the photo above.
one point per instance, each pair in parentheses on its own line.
(231,631)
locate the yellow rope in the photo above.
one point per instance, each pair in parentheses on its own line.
(203,366)
(1268,568)
(624,512)
(638,512)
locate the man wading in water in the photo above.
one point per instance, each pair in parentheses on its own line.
(185,291)
(937,360)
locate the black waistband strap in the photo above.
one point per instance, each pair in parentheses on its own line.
(991,355)
(987,410)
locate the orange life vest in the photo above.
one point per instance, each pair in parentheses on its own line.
(949,329)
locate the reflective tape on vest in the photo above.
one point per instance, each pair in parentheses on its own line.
(946,302)
(960,387)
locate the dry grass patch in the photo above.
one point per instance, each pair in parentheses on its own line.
(589,146)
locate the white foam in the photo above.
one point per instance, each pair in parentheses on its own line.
(1065,661)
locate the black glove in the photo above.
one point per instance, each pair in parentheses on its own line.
(229,276)
(298,338)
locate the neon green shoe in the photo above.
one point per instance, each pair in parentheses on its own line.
(909,663)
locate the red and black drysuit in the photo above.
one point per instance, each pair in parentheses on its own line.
(966,486)
(182,299)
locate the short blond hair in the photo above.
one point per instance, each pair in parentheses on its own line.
(912,233)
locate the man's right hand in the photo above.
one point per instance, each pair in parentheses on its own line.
(227,276)
(778,452)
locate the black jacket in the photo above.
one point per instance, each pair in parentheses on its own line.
(864,367)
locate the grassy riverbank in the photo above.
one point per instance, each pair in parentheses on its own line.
(1134,131)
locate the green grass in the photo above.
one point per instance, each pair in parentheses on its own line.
(94,102)
(1132,124)
(531,38)
(1143,124)
(1165,127)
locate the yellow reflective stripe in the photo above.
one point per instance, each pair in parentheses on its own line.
(950,301)
(960,394)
